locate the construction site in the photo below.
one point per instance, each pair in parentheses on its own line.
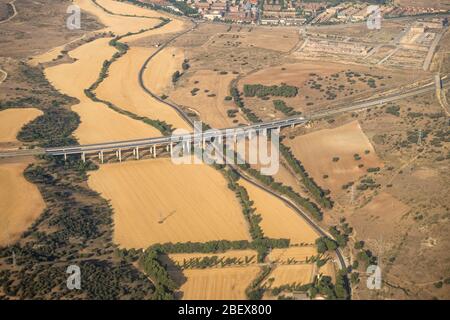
(411,46)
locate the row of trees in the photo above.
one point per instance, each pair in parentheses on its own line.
(164,285)
(208,262)
(238,101)
(259,90)
(312,208)
(318,193)
(280,105)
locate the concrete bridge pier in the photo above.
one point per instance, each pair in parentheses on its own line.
(100,156)
(119,155)
(83,157)
(203,143)
(167,148)
(137,153)
(171,149)
(65,156)
(154,151)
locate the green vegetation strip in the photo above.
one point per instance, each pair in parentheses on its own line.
(319,195)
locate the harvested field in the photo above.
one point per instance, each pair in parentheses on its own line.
(316,151)
(20,202)
(290,274)
(119,24)
(98,122)
(156,201)
(299,254)
(218,284)
(278,220)
(158,76)
(123,8)
(12,120)
(209,99)
(128,95)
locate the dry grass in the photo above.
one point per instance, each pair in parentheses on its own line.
(218,284)
(12,120)
(277,39)
(380,217)
(158,76)
(343,142)
(20,202)
(278,220)
(212,109)
(310,99)
(156,201)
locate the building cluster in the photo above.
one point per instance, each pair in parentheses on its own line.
(290,12)
(238,11)
(345,12)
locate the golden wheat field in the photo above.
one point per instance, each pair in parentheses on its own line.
(98,122)
(20,202)
(290,274)
(218,284)
(123,81)
(278,220)
(156,201)
(12,120)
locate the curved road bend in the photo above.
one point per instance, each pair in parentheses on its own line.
(14,12)
(177,108)
(242,174)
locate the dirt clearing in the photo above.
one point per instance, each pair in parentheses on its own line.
(331,156)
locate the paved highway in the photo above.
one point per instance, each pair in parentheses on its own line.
(91,148)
